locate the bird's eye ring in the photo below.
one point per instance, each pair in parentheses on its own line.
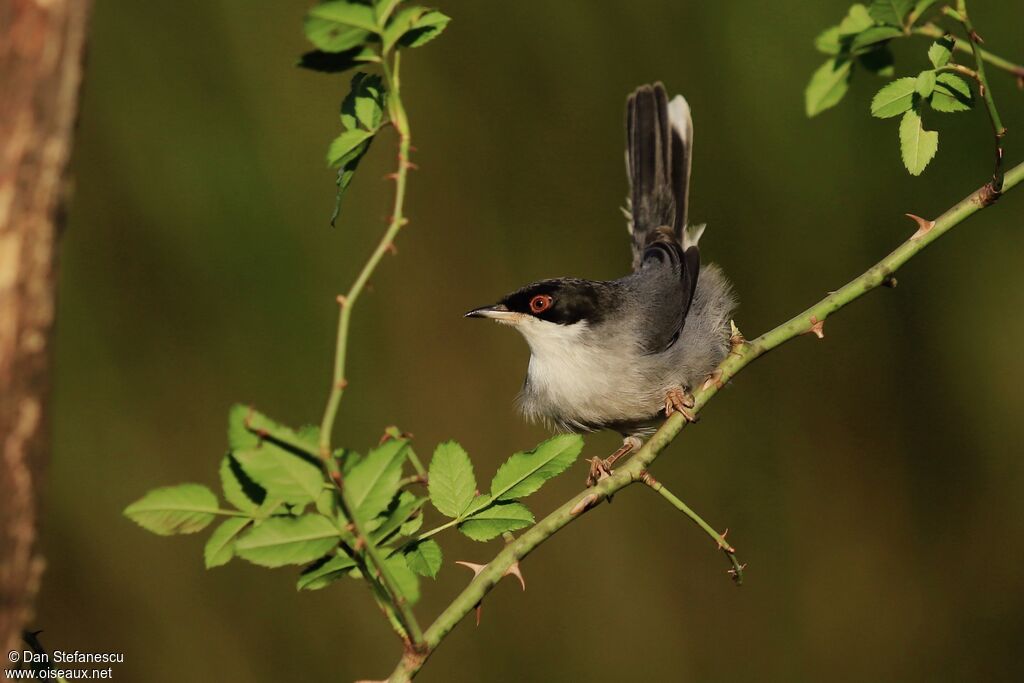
(540,303)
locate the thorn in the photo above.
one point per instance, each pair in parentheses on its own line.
(390,176)
(584,504)
(479,609)
(714,379)
(736,337)
(360,544)
(515,571)
(976,38)
(923,226)
(342,300)
(890,282)
(477,568)
(412,148)
(411,166)
(736,574)
(341,384)
(722,545)
(817,327)
(391,249)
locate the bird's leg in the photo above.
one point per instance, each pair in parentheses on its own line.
(679,400)
(599,469)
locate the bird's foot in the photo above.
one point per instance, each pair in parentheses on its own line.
(599,469)
(680,401)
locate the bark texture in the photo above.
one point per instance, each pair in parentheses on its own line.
(42,43)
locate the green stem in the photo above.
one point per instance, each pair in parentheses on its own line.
(998,129)
(930,30)
(719,539)
(403,611)
(809,320)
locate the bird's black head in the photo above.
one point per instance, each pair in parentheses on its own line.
(564,301)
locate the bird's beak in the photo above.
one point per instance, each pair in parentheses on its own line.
(497,312)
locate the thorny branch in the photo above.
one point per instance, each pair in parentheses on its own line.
(809,321)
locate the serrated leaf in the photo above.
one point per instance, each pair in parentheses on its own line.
(917,145)
(336,62)
(281,473)
(288,540)
(941,51)
(890,11)
(424,29)
(220,547)
(894,99)
(925,83)
(402,507)
(873,35)
(828,41)
(239,489)
(951,94)
(347,147)
(325,571)
(525,472)
(450,479)
(406,582)
(339,25)
(496,520)
(182,509)
(374,481)
(424,558)
(856,20)
(827,86)
(248,428)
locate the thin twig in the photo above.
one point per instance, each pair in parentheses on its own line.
(934,32)
(737,569)
(743,353)
(998,129)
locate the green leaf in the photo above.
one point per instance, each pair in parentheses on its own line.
(336,62)
(406,582)
(875,34)
(413,26)
(220,548)
(918,146)
(248,428)
(524,473)
(325,571)
(496,520)
(288,540)
(347,147)
(941,51)
(374,481)
(424,558)
(282,474)
(894,99)
(239,489)
(890,11)
(402,507)
(827,85)
(182,509)
(951,94)
(413,525)
(828,41)
(451,483)
(339,25)
(363,107)
(856,20)
(925,83)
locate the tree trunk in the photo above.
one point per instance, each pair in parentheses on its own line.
(42,44)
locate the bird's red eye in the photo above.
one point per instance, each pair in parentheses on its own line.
(540,303)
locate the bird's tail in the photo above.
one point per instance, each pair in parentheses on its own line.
(659,138)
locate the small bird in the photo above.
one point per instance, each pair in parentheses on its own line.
(617,354)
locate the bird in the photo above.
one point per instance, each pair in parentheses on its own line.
(624,354)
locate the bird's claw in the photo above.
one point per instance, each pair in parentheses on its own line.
(599,470)
(682,402)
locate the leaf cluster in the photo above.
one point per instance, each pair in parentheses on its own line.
(862,39)
(284,507)
(350,33)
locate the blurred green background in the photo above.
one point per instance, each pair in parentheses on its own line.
(873,481)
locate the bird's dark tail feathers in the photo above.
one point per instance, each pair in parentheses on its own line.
(659,137)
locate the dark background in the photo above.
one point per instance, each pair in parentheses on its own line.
(873,481)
